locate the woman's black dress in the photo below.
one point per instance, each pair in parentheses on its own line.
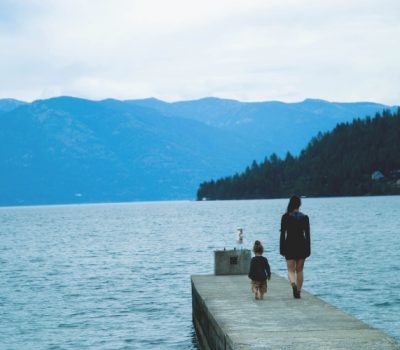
(295,240)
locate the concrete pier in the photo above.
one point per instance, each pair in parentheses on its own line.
(226,316)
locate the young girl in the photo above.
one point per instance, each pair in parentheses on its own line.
(259,272)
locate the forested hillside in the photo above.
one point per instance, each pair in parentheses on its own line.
(357,158)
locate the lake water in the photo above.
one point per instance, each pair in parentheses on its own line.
(117,276)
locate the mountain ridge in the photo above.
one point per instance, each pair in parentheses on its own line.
(73,150)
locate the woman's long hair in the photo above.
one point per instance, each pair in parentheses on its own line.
(294,203)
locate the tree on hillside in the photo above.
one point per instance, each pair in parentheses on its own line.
(336,163)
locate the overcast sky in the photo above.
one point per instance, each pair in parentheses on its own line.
(248,50)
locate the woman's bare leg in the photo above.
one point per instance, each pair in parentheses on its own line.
(291,267)
(299,273)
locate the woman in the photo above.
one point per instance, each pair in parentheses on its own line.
(295,243)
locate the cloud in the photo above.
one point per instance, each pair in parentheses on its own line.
(183,49)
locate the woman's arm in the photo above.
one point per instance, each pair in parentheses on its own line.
(307,236)
(283,236)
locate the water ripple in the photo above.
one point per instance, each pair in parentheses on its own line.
(117,276)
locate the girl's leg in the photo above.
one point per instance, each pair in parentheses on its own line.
(254,289)
(263,291)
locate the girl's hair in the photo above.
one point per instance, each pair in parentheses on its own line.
(294,203)
(258,248)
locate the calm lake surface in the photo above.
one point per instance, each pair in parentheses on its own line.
(117,276)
